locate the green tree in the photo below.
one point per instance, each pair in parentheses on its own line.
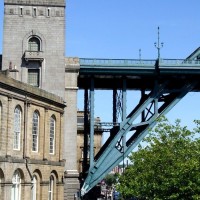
(111,179)
(168,167)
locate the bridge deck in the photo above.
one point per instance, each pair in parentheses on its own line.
(108,73)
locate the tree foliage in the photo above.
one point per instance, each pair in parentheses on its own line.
(111,179)
(168,167)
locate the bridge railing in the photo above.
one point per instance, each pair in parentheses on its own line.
(179,62)
(135,62)
(115,62)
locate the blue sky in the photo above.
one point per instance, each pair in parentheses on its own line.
(118,29)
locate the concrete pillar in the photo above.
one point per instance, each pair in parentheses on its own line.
(70,133)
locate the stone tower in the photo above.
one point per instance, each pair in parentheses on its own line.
(34,42)
(34,50)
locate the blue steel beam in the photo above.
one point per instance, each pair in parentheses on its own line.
(115,152)
(92,123)
(137,66)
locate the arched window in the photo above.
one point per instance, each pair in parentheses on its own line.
(35,131)
(1,184)
(34,44)
(51,188)
(34,188)
(17,128)
(16,186)
(52,135)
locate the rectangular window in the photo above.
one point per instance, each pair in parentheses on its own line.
(28,12)
(41,12)
(11,11)
(57,13)
(33,77)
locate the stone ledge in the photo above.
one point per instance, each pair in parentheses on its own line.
(36,2)
(11,159)
(71,174)
(9,83)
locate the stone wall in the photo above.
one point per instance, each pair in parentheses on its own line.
(31,165)
(46,23)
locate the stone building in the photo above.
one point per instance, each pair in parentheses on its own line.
(34,46)
(31,142)
(98,132)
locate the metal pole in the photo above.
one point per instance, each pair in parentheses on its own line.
(114,105)
(143,112)
(92,122)
(124,100)
(158,45)
(86,132)
(124,116)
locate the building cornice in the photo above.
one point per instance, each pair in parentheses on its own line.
(49,3)
(29,91)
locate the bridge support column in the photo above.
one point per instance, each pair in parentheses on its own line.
(92,123)
(86,133)
(72,185)
(115,105)
(124,117)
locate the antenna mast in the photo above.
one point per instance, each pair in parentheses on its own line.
(158,45)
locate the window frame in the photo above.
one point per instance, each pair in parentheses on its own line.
(37,75)
(52,133)
(35,131)
(34,188)
(16,186)
(21,11)
(17,128)
(51,188)
(34,44)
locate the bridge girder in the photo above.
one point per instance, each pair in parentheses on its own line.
(155,104)
(162,86)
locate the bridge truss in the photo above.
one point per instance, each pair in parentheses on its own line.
(163,83)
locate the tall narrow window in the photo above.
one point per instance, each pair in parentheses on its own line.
(21,11)
(17,128)
(51,187)
(16,187)
(52,136)
(34,44)
(34,77)
(34,188)
(48,12)
(34,12)
(35,131)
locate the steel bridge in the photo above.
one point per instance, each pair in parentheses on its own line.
(162,83)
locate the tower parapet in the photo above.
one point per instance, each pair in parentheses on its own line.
(36,2)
